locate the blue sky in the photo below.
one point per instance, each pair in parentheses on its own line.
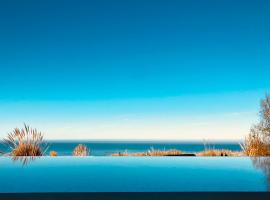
(134,69)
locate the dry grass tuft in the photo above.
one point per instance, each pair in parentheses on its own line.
(81,150)
(53,153)
(25,142)
(152,152)
(218,152)
(211,151)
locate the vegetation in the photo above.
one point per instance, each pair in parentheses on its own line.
(218,152)
(257,143)
(174,152)
(25,142)
(53,153)
(212,151)
(81,150)
(152,152)
(254,145)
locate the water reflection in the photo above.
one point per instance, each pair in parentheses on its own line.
(263,163)
(24,160)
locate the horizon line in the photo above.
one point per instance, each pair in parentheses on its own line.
(146,140)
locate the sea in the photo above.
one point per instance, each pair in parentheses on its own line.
(108,147)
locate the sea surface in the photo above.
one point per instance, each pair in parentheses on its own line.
(133,174)
(105,148)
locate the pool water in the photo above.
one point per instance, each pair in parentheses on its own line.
(133,174)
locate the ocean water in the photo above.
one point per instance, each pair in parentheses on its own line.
(134,174)
(104,148)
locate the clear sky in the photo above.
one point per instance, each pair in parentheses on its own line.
(137,69)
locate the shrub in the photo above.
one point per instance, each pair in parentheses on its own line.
(81,150)
(25,142)
(254,145)
(53,153)
(257,143)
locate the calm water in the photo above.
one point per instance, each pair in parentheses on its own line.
(103,148)
(104,174)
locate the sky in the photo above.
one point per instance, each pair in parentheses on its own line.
(141,69)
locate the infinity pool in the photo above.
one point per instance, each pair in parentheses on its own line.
(133,174)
